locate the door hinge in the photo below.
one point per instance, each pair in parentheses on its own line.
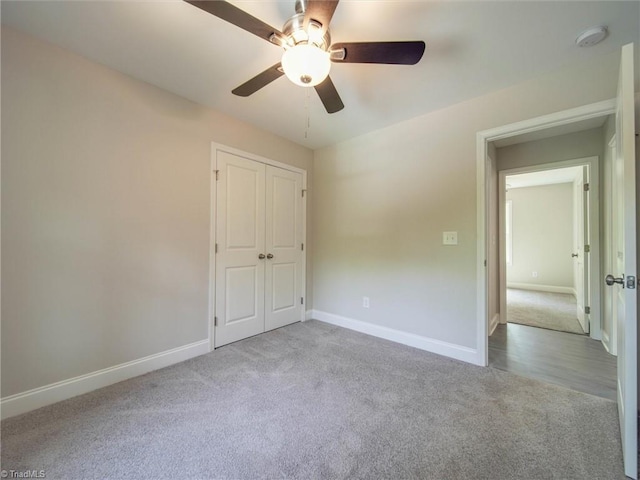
(215,321)
(587,248)
(301,300)
(631,282)
(302,247)
(216,248)
(485,263)
(303,192)
(586,187)
(587,310)
(216,172)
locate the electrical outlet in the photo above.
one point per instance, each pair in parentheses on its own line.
(534,274)
(365,302)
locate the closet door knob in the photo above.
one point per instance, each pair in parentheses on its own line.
(269,256)
(261,256)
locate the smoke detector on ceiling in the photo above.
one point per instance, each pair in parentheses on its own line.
(591,36)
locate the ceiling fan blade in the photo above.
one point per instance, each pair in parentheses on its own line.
(237,17)
(261,80)
(321,11)
(329,96)
(392,53)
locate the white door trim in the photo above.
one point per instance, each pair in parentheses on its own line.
(594,229)
(564,117)
(216,147)
(609,339)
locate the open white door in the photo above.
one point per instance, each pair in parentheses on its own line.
(623,278)
(581,247)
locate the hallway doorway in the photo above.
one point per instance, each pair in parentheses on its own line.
(490,311)
(545,258)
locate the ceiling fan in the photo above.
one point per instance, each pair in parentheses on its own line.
(308,51)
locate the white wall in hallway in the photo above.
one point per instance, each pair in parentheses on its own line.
(587,143)
(542,235)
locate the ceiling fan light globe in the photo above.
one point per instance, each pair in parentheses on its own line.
(306,65)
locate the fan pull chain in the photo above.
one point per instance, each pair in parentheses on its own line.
(307,114)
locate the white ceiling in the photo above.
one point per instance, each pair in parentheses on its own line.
(472,48)
(545,177)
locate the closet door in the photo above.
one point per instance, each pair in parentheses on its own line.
(283,276)
(240,239)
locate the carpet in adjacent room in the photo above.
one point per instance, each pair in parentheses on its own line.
(553,311)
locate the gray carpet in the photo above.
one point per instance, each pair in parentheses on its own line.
(553,311)
(313,401)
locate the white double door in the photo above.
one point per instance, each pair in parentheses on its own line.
(259,248)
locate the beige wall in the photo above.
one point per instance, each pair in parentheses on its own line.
(382,201)
(542,237)
(105,213)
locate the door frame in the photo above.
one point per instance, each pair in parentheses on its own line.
(565,117)
(595,317)
(610,343)
(216,147)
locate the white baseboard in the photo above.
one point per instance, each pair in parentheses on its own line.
(541,288)
(466,354)
(494,323)
(308,315)
(56,392)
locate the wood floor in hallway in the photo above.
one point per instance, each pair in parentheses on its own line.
(573,361)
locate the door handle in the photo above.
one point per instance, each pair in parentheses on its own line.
(610,280)
(574,254)
(261,256)
(269,256)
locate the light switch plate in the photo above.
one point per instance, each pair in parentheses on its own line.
(449,238)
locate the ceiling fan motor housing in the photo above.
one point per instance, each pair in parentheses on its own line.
(295,33)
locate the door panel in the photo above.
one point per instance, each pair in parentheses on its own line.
(241,288)
(242,207)
(283,287)
(284,197)
(625,297)
(240,240)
